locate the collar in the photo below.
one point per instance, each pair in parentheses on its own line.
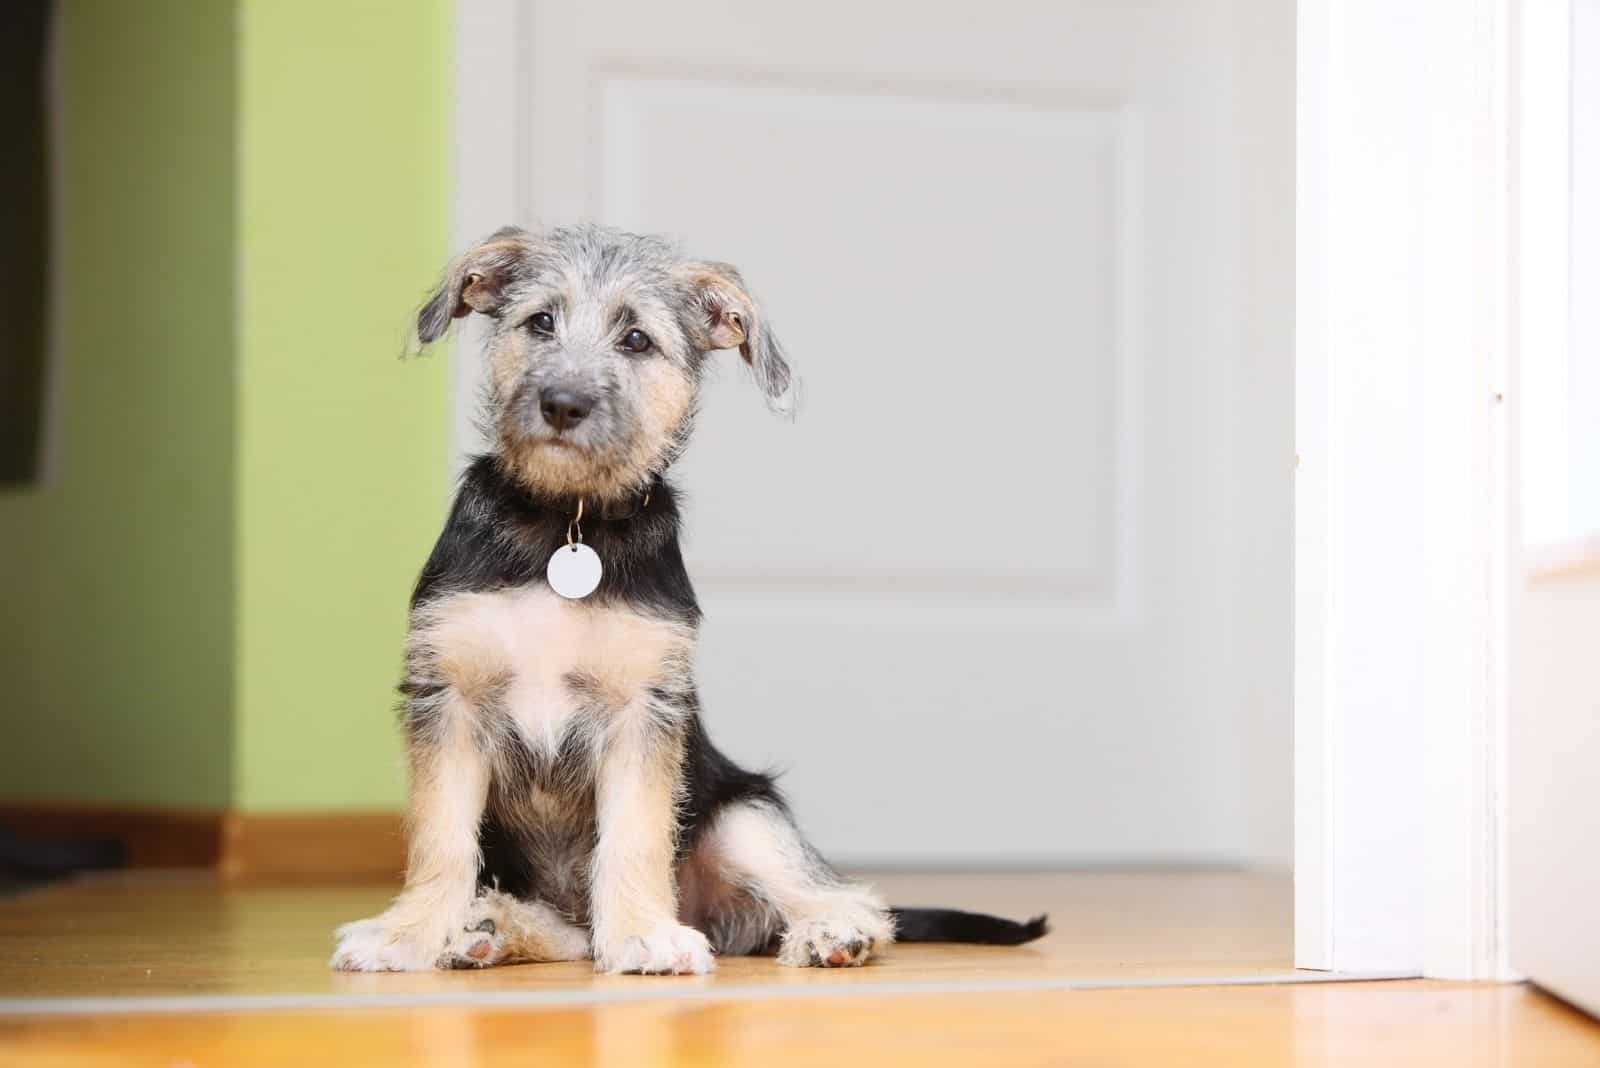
(605,511)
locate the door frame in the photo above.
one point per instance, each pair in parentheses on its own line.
(1405,409)
(1412,182)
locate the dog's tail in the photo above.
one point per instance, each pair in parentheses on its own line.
(953,925)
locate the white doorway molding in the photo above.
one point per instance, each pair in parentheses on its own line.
(1407,241)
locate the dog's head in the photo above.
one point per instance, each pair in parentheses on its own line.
(596,350)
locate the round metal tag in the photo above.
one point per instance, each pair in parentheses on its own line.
(574,571)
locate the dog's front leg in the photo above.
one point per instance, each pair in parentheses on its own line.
(449,786)
(634,899)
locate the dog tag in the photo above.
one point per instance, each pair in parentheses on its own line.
(574,571)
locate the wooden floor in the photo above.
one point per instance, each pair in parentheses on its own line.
(165,935)
(179,970)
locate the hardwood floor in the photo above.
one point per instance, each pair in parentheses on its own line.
(152,935)
(167,969)
(1364,1024)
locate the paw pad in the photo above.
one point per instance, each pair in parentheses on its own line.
(475,947)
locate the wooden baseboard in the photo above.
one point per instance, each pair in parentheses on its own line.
(307,846)
(238,846)
(152,837)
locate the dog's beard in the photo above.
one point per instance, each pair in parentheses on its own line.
(561,468)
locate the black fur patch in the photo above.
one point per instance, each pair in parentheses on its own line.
(498,536)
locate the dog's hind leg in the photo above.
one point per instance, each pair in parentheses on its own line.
(501,929)
(761,867)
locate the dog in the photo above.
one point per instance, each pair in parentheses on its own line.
(565,801)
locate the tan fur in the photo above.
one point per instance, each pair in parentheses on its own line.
(449,785)
(527,643)
(634,899)
(668,394)
(507,358)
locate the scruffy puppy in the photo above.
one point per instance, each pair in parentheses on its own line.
(565,800)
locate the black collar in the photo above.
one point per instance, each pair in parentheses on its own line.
(604,511)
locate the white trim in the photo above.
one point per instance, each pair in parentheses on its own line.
(1403,526)
(1465,315)
(1544,211)
(1313,575)
(1358,553)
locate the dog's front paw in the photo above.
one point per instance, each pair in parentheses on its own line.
(380,945)
(825,944)
(671,949)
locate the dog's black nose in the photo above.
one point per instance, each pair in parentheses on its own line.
(563,408)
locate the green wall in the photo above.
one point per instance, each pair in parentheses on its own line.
(117,572)
(344,158)
(204,603)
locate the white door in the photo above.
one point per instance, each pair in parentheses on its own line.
(1015,584)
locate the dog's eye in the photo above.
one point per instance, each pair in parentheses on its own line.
(636,341)
(542,323)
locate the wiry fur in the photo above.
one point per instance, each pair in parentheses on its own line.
(565,800)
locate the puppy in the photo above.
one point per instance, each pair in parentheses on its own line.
(565,800)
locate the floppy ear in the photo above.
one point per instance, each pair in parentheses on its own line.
(731,319)
(478,281)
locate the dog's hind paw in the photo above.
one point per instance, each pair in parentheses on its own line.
(478,945)
(500,929)
(825,944)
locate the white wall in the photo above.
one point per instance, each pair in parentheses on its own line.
(1554,804)
(1583,418)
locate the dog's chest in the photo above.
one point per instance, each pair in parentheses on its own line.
(540,659)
